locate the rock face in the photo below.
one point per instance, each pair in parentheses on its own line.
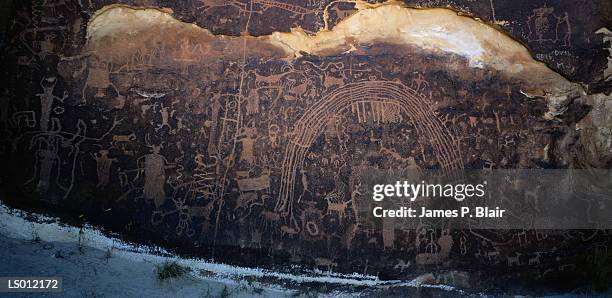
(242,130)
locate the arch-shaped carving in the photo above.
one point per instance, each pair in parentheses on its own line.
(413,104)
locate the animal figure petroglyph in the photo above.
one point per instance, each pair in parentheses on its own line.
(339,208)
(402,265)
(287,230)
(536,259)
(514,261)
(246,200)
(492,255)
(324,262)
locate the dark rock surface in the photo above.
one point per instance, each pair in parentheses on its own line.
(219,146)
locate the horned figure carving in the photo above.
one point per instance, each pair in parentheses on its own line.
(154,174)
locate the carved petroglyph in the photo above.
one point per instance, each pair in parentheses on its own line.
(325,263)
(309,127)
(484,45)
(546,26)
(243,143)
(46,100)
(514,260)
(444,243)
(153,166)
(103,166)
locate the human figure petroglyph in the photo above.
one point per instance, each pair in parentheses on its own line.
(252,106)
(103,166)
(248,138)
(291,231)
(154,168)
(165,117)
(546,26)
(98,78)
(47,158)
(305,185)
(273,135)
(76,31)
(388,233)
(445,243)
(331,128)
(49,144)
(531,196)
(418,82)
(46,100)
(521,237)
(185,215)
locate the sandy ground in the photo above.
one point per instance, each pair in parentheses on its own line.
(90,272)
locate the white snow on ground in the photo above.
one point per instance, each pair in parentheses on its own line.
(130,271)
(94,265)
(89,273)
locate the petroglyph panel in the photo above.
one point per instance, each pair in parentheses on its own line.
(246,130)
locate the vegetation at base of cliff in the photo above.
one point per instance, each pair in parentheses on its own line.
(171,270)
